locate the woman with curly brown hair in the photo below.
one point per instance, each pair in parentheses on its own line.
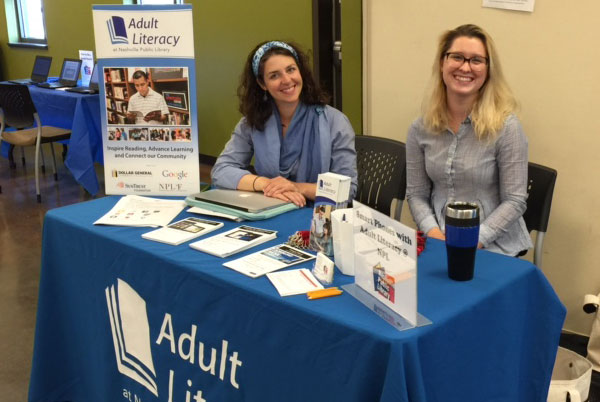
(287,127)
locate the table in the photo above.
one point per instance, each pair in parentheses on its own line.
(202,332)
(81,114)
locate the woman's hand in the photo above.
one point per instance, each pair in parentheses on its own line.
(436,233)
(279,185)
(291,196)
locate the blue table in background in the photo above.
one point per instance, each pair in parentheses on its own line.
(81,114)
(204,331)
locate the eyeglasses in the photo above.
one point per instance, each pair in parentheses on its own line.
(477,63)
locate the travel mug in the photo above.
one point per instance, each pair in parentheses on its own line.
(462,237)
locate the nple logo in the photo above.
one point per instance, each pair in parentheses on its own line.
(117,30)
(170,186)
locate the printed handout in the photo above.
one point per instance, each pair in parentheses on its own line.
(182,231)
(135,210)
(233,241)
(269,260)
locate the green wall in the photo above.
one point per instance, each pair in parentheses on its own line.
(224,33)
(352,62)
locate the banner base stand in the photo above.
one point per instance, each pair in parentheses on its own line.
(388,315)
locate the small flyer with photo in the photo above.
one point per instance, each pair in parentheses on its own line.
(269,260)
(320,230)
(182,231)
(333,191)
(233,241)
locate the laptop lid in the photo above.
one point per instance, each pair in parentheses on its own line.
(69,74)
(243,200)
(41,68)
(94,80)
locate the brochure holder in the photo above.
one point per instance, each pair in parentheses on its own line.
(385,264)
(389,315)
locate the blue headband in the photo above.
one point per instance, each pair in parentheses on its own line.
(258,55)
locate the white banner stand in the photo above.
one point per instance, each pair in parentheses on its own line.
(147,81)
(385,264)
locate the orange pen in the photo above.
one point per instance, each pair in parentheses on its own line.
(319,294)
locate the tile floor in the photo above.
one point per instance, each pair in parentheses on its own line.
(21,220)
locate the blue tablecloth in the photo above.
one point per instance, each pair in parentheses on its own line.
(81,114)
(215,333)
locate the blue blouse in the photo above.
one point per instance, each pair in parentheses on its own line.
(336,138)
(447,167)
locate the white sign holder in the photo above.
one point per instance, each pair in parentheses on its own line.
(385,264)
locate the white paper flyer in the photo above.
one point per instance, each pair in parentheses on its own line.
(385,260)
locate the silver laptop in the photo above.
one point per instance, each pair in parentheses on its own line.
(69,74)
(243,200)
(92,88)
(41,68)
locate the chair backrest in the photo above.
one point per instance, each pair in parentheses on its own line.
(540,187)
(17,105)
(381,164)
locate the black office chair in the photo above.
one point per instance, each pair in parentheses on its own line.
(381,164)
(18,111)
(540,187)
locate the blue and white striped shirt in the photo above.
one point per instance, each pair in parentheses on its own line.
(447,167)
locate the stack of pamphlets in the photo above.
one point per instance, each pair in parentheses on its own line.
(182,231)
(269,260)
(134,210)
(233,241)
(333,191)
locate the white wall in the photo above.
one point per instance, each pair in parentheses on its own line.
(551,59)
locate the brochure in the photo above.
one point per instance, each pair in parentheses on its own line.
(294,282)
(269,260)
(182,231)
(135,210)
(323,269)
(234,241)
(332,193)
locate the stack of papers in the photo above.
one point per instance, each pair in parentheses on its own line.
(269,260)
(182,231)
(294,282)
(234,241)
(134,210)
(202,211)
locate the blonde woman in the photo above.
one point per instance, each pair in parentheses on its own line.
(468,145)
